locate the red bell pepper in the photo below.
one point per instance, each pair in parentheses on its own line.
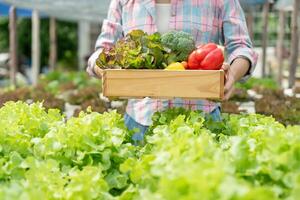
(204,55)
(213,61)
(202,52)
(193,63)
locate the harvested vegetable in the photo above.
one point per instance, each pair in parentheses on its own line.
(175,66)
(185,64)
(206,57)
(193,63)
(137,50)
(180,43)
(213,61)
(203,51)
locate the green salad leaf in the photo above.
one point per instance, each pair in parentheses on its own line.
(139,50)
(185,156)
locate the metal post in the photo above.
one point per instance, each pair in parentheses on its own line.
(53,44)
(35,46)
(295,44)
(84,42)
(280,44)
(265,37)
(13,46)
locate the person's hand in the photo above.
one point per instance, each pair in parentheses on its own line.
(92,63)
(229,81)
(233,73)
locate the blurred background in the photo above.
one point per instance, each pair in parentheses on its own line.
(45,44)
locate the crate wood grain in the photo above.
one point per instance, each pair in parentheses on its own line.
(188,84)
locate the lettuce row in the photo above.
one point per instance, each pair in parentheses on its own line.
(186,156)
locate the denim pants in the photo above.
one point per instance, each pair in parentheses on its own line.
(139,136)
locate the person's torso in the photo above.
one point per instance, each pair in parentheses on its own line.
(201,18)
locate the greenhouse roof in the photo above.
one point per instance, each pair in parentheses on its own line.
(4,11)
(73,10)
(286,5)
(90,10)
(248,4)
(252,2)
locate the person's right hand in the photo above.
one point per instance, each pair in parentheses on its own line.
(229,81)
(92,63)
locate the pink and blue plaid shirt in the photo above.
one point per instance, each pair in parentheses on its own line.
(218,21)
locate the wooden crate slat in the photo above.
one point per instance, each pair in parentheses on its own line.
(163,84)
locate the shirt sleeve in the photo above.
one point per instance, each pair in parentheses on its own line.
(111,31)
(236,37)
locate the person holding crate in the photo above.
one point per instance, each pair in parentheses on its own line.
(219,21)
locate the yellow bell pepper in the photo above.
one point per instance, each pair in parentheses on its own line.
(175,66)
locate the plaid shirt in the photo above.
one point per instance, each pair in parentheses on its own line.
(218,21)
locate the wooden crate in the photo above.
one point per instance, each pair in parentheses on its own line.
(162,84)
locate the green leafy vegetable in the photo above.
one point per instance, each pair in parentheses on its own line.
(180,43)
(264,83)
(45,157)
(137,50)
(186,156)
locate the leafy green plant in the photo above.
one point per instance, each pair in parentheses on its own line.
(78,158)
(66,36)
(186,156)
(4,35)
(180,43)
(253,158)
(284,109)
(56,81)
(262,83)
(138,50)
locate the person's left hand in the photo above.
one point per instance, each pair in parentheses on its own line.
(234,72)
(229,81)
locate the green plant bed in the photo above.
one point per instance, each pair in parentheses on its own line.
(35,94)
(263,83)
(96,105)
(284,109)
(186,156)
(230,107)
(58,87)
(240,95)
(50,101)
(84,94)
(60,81)
(260,86)
(20,94)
